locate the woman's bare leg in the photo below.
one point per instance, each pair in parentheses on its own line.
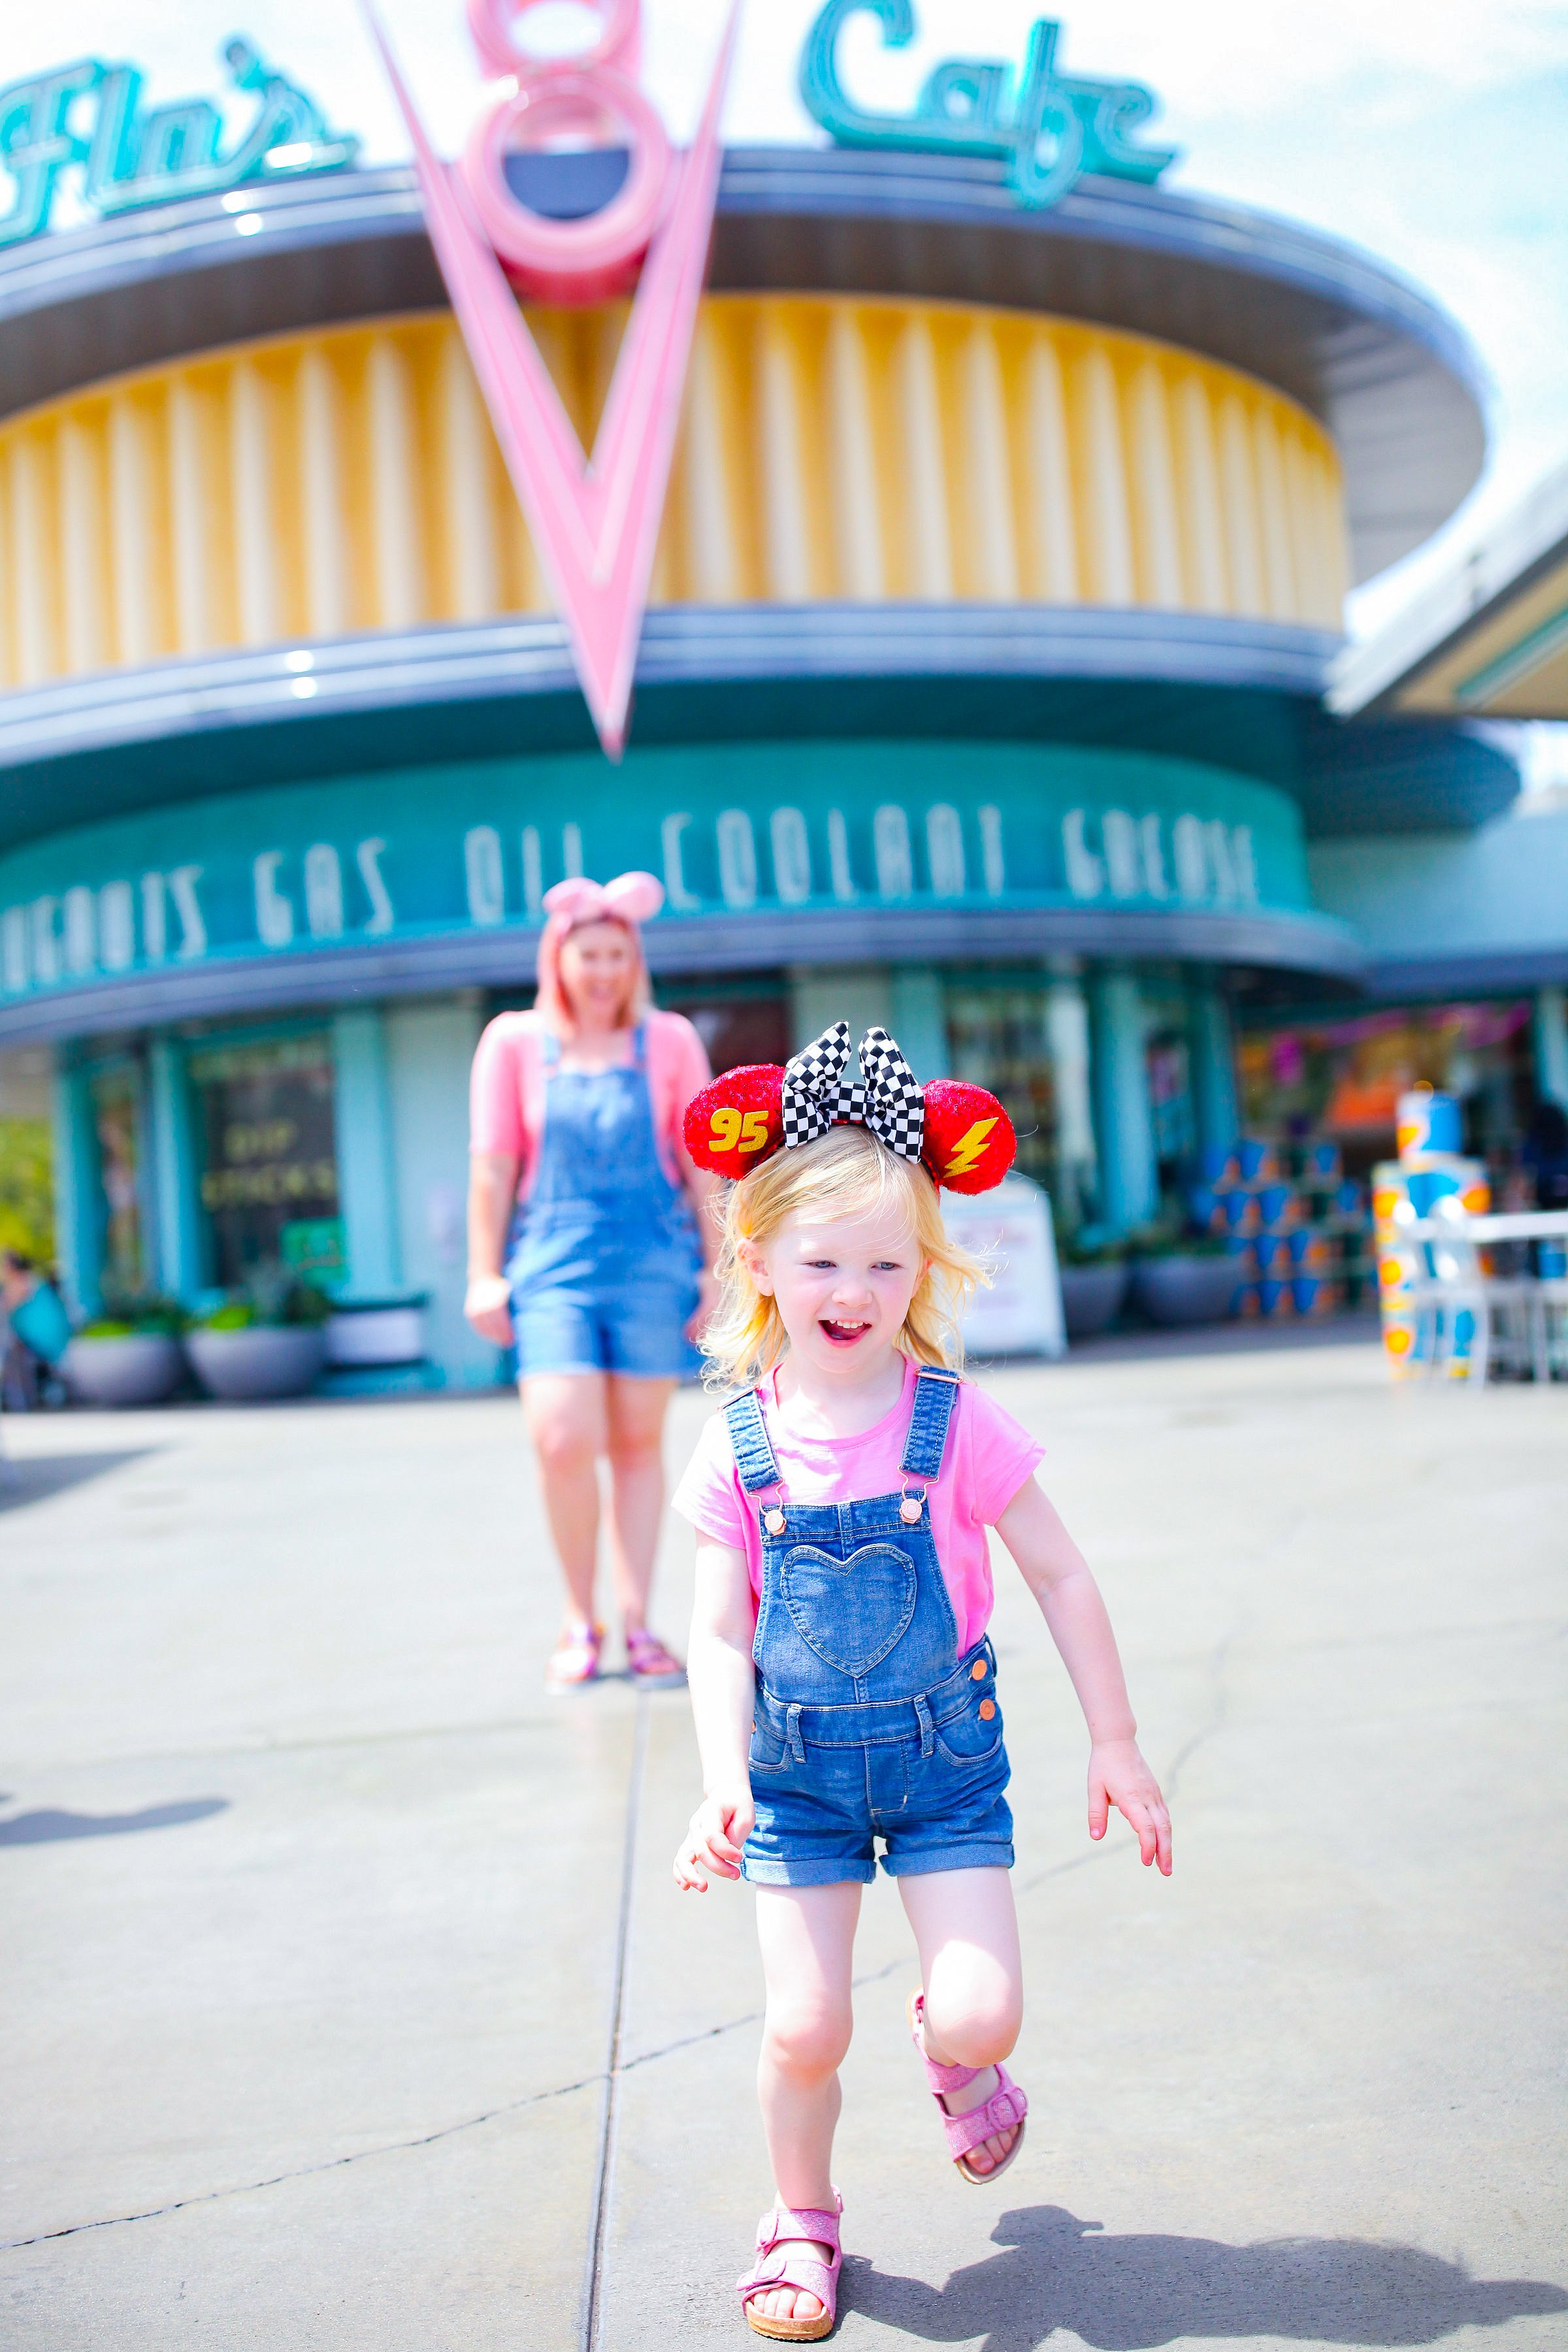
(634,1411)
(566,1420)
(807,1936)
(967,1931)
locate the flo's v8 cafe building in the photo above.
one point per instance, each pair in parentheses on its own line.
(981,689)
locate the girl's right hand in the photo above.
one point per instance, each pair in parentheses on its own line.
(488,1307)
(719,1828)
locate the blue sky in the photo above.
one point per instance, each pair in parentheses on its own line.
(1436,134)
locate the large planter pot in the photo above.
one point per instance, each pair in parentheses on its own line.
(137,1367)
(1091,1297)
(1175,1291)
(242,1366)
(374,1332)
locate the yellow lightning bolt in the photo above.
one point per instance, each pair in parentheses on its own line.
(967,1151)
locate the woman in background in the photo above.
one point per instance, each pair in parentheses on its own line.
(589,1248)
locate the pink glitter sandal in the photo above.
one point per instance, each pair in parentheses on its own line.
(1003,2111)
(575,1660)
(791,2266)
(649,1664)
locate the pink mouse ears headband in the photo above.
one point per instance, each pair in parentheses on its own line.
(630,898)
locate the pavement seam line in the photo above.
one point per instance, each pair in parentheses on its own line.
(305,2171)
(423,2139)
(604,2170)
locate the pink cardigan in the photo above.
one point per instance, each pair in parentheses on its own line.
(506,1093)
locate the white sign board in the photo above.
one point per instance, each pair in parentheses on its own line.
(1010,1230)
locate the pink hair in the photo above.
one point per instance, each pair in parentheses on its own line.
(573,906)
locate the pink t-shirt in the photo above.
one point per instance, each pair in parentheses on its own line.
(988,1458)
(505,1091)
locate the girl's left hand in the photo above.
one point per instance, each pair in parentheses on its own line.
(707,1298)
(1117,1776)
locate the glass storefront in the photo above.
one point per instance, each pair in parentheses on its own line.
(118,1100)
(266,1134)
(1028,1042)
(736,1025)
(1343,1078)
(1167,1057)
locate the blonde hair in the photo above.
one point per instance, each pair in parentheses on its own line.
(845,1173)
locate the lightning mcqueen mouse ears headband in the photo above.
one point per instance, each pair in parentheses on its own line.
(959,1134)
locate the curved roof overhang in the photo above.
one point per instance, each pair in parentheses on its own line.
(1390,373)
(1487,638)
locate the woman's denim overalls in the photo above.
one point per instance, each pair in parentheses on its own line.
(604,1252)
(869,1724)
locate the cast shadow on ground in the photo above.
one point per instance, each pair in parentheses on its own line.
(47,1828)
(33,1479)
(1132,2294)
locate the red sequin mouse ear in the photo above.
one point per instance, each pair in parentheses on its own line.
(737,1122)
(969,1142)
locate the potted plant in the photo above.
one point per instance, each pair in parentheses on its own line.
(130,1355)
(267,1341)
(1094,1276)
(1181,1278)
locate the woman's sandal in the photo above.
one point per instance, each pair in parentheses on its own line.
(791,2266)
(574,1661)
(649,1664)
(1003,2111)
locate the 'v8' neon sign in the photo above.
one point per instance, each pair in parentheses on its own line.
(594,521)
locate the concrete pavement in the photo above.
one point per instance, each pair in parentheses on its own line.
(347,2002)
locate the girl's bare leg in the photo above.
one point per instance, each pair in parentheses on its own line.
(566,1420)
(967,1932)
(807,1936)
(636,1411)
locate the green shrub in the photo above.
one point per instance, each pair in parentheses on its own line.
(28,1189)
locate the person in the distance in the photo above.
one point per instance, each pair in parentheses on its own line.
(589,1245)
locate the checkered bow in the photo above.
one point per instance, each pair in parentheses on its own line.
(818,1095)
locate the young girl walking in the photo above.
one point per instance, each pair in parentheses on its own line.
(844,1688)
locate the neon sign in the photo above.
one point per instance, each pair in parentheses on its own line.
(594,521)
(1049,128)
(88,117)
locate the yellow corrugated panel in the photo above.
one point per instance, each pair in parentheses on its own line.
(875,451)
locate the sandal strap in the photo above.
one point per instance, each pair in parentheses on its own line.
(1002,2111)
(799,2222)
(938,2078)
(791,2266)
(644,1648)
(582,1641)
(779,2263)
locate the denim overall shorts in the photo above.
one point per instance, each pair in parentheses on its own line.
(604,1252)
(869,1724)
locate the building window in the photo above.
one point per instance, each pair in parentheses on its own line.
(117,1119)
(996,1038)
(267,1131)
(736,1030)
(1343,1078)
(1168,1063)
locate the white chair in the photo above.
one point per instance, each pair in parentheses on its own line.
(1517,1323)
(1552,1291)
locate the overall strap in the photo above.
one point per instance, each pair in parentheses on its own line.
(753,1448)
(640,1046)
(936,1393)
(551,1051)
